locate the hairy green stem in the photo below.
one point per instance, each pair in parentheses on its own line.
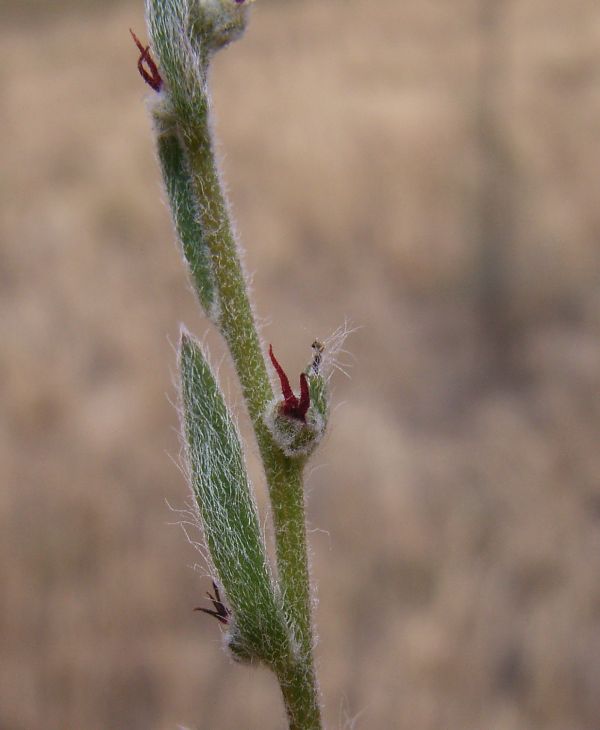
(284,475)
(287,499)
(184,37)
(235,320)
(300,697)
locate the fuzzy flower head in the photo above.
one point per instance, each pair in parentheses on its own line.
(183,37)
(219,22)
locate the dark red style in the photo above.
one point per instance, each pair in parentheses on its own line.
(148,72)
(220,611)
(292,406)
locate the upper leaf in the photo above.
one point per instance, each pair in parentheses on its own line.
(184,209)
(227,509)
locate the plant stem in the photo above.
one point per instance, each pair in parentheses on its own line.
(301,700)
(236,320)
(284,475)
(287,498)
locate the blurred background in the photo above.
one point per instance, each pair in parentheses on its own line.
(427,171)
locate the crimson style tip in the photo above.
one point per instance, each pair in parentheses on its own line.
(146,65)
(291,405)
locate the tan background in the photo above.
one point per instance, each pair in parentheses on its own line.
(430,174)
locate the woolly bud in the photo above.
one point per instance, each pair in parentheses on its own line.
(216,23)
(295,438)
(297,423)
(184,36)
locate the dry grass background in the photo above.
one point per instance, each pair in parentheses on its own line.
(460,485)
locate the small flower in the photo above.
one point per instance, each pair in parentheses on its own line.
(150,72)
(220,611)
(291,405)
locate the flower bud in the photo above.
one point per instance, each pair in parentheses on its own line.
(216,23)
(297,424)
(294,437)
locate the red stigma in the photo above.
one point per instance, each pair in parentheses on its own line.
(291,406)
(149,72)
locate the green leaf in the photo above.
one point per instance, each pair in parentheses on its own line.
(185,216)
(227,510)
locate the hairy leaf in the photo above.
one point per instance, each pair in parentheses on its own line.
(227,509)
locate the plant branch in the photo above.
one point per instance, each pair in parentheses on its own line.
(284,475)
(184,37)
